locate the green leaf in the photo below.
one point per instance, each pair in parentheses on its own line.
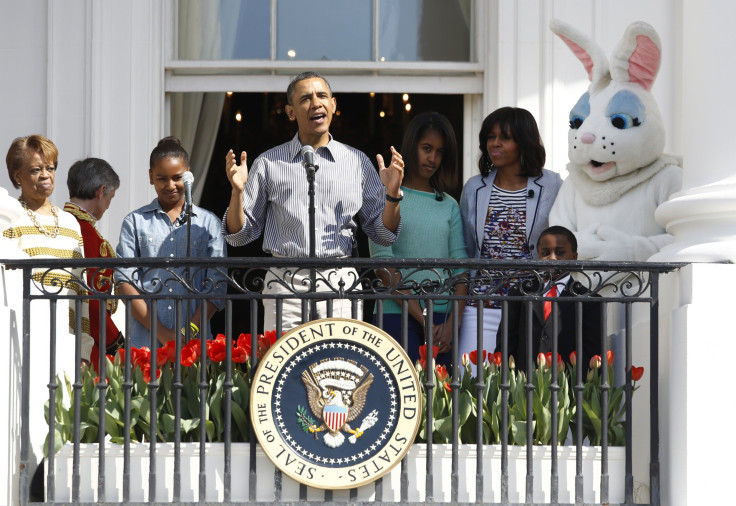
(617,435)
(595,422)
(167,423)
(518,432)
(465,408)
(209,428)
(188,425)
(215,407)
(443,430)
(241,421)
(111,425)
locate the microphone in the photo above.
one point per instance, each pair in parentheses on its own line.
(530,194)
(308,154)
(188,179)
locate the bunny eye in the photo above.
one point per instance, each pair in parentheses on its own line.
(576,122)
(580,111)
(622,121)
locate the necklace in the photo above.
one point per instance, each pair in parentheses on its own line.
(32,216)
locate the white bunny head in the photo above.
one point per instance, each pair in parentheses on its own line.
(616,126)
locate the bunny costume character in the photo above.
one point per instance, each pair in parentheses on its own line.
(617,172)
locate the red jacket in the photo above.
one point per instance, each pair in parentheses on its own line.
(95,246)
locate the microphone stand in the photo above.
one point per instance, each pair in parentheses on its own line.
(311,171)
(188,273)
(188,212)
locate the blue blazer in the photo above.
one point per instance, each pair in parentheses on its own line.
(474,208)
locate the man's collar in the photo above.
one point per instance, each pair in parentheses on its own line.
(80,213)
(561,282)
(295,146)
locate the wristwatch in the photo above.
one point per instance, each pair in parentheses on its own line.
(395,199)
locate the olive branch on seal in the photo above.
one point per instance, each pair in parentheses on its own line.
(305,421)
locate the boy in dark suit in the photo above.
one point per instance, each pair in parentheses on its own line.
(555,243)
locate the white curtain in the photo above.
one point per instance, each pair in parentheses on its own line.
(204,33)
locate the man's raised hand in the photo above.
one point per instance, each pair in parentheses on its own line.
(236,174)
(393,175)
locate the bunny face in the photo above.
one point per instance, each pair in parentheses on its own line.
(616,127)
(615,131)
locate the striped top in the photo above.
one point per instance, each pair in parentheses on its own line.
(504,236)
(504,233)
(68,244)
(276,202)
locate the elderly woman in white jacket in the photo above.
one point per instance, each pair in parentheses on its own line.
(504,208)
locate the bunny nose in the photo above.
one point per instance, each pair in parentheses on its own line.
(588,138)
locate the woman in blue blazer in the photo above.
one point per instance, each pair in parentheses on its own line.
(504,209)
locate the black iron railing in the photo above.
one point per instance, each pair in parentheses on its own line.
(611,287)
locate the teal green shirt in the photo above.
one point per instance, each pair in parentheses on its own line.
(430,229)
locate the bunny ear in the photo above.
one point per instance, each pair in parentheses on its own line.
(585,49)
(638,55)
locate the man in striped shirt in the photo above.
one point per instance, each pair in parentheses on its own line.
(272,199)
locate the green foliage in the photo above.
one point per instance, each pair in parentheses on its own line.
(191,395)
(538,393)
(478,402)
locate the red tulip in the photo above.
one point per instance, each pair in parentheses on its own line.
(265,341)
(423,351)
(244,342)
(636,373)
(240,355)
(140,356)
(609,357)
(595,362)
(147,373)
(473,355)
(162,356)
(496,358)
(190,353)
(216,350)
(560,365)
(448,387)
(542,360)
(171,350)
(548,358)
(574,358)
(270,335)
(441,372)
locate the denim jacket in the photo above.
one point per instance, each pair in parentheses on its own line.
(148,232)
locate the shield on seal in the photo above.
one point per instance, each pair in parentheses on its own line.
(334,417)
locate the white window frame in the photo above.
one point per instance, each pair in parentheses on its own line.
(261,76)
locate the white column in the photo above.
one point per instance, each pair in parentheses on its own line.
(694,386)
(11,287)
(702,217)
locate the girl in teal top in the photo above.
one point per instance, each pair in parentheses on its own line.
(431,228)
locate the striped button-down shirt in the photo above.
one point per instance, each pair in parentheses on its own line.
(275,198)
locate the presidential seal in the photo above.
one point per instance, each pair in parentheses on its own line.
(335,403)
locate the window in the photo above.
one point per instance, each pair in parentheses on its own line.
(325,30)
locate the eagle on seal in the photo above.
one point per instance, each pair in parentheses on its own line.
(336,391)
